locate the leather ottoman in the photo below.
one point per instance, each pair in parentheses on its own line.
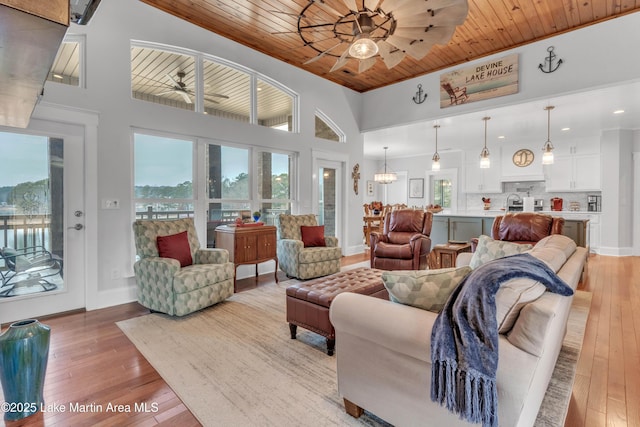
(308,302)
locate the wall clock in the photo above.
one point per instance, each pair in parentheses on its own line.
(523,157)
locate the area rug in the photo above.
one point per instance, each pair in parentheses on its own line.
(234,364)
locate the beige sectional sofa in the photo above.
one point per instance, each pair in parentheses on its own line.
(384,361)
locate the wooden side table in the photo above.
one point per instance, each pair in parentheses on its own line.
(248,245)
(447,253)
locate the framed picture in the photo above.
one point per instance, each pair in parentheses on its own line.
(371,188)
(416,187)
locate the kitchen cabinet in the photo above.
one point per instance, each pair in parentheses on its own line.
(579,172)
(439,230)
(463,229)
(578,230)
(248,245)
(485,181)
(31,33)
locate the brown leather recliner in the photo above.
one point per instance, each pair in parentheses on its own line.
(404,243)
(523,227)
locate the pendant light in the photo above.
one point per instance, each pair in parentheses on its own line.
(485,162)
(385,177)
(547,156)
(435,160)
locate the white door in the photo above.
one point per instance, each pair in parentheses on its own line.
(41,221)
(329,196)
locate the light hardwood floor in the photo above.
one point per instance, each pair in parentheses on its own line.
(92,362)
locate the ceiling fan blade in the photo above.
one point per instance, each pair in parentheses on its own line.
(320,55)
(165,93)
(185,96)
(365,64)
(213,101)
(411,47)
(173,80)
(390,55)
(435,35)
(413,8)
(344,58)
(450,16)
(392,5)
(371,4)
(351,4)
(331,11)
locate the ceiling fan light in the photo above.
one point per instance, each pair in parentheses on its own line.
(363,47)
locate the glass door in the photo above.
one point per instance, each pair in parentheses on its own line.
(330,196)
(41,225)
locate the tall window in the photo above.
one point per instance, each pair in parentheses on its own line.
(274,184)
(163,183)
(244,180)
(442,192)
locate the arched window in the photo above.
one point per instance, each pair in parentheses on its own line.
(327,129)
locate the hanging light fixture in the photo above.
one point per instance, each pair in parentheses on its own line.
(363,47)
(385,177)
(547,156)
(435,160)
(485,162)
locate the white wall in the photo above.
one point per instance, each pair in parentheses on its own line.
(107,92)
(616,62)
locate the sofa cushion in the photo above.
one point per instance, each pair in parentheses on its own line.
(175,246)
(312,235)
(426,289)
(529,331)
(512,297)
(558,241)
(489,249)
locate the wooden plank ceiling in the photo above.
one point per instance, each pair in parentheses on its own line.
(270,26)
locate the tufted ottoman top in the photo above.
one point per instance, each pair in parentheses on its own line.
(323,290)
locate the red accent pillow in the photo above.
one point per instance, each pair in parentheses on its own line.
(312,235)
(175,246)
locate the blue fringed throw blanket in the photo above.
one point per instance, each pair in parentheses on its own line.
(464,339)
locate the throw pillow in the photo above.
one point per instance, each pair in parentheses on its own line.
(489,249)
(312,236)
(425,289)
(175,246)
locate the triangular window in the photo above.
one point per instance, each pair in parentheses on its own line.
(327,129)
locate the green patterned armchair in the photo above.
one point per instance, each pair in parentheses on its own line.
(300,262)
(165,286)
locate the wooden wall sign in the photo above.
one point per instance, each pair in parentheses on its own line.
(484,80)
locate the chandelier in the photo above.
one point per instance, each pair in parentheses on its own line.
(362,30)
(385,177)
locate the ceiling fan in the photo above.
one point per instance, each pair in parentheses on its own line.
(180,87)
(366,29)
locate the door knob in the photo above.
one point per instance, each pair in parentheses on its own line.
(77,227)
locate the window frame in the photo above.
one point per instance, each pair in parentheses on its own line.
(342,137)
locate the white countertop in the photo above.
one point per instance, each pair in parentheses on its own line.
(496,212)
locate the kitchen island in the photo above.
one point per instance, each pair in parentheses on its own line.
(462,226)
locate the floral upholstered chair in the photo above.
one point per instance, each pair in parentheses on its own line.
(303,250)
(174,275)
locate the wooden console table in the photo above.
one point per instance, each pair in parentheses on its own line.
(447,253)
(248,245)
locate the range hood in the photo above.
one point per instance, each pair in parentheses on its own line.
(30,36)
(522,178)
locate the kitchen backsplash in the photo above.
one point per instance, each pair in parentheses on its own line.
(536,189)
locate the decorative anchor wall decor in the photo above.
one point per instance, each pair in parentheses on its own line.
(420,95)
(549,62)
